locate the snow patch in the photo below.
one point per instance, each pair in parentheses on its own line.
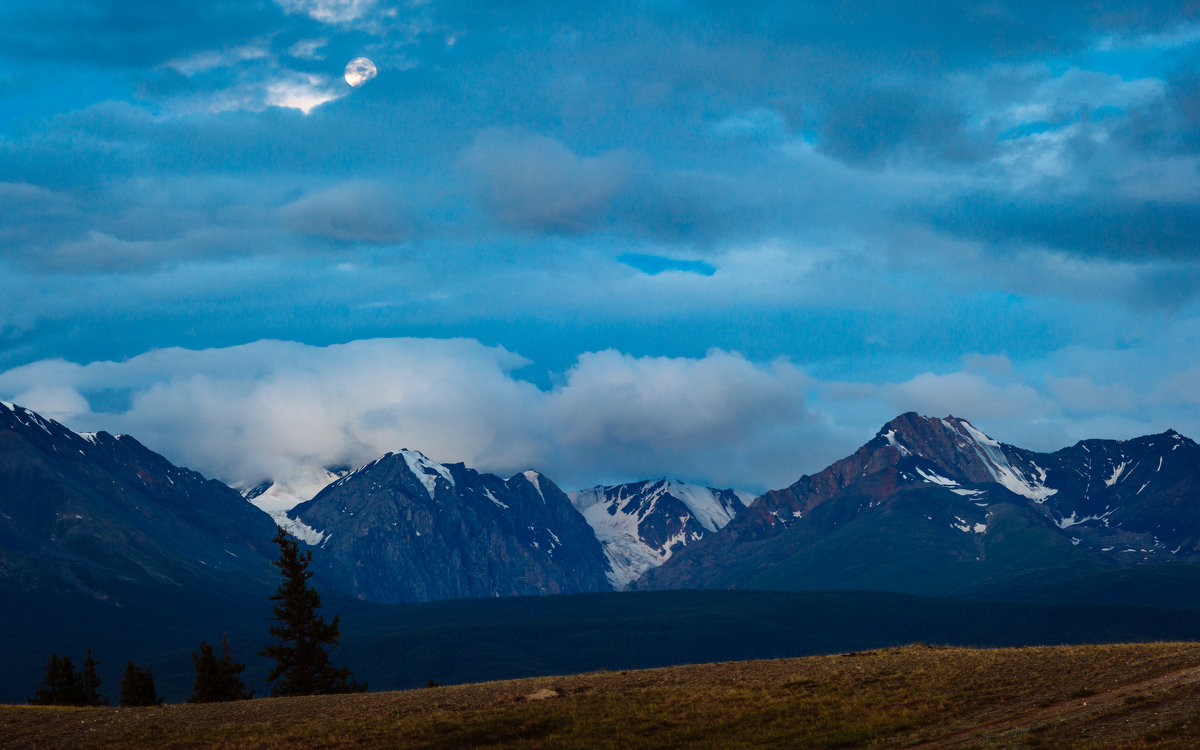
(991,452)
(285,494)
(299,529)
(488,494)
(968,527)
(704,504)
(1071,520)
(426,471)
(1116,474)
(936,478)
(534,479)
(616,513)
(890,436)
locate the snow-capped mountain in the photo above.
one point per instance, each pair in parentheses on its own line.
(936,506)
(641,524)
(405,528)
(277,497)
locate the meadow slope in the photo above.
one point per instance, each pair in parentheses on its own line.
(1109,696)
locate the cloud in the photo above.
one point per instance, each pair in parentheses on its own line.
(261,410)
(1084,225)
(264,409)
(201,62)
(720,417)
(881,123)
(308,49)
(536,184)
(355,211)
(329,11)
(302,91)
(964,393)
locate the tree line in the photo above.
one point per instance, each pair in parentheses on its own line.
(301,649)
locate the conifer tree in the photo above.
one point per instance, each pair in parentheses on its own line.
(217,680)
(137,687)
(90,683)
(303,637)
(62,685)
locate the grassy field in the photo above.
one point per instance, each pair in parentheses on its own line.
(1118,696)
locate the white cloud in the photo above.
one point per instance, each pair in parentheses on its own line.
(329,11)
(262,410)
(266,409)
(964,394)
(302,91)
(308,49)
(211,59)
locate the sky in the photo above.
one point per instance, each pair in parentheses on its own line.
(724,242)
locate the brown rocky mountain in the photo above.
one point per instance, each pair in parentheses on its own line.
(935,506)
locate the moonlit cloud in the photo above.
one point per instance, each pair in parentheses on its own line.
(304,92)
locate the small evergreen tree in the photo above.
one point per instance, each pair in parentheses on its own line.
(217,680)
(137,687)
(304,639)
(90,683)
(61,685)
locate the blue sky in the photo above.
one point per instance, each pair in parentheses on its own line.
(724,241)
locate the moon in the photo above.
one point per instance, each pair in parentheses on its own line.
(359,71)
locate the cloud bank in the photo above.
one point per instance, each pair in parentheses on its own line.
(263,410)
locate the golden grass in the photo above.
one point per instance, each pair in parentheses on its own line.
(1122,696)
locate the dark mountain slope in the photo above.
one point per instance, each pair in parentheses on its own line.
(82,512)
(404,528)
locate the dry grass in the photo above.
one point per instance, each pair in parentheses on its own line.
(1124,696)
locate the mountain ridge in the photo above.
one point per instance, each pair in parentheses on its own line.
(1079,500)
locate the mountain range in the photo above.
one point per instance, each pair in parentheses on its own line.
(105,543)
(935,506)
(928,506)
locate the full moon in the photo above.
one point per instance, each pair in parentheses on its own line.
(359,71)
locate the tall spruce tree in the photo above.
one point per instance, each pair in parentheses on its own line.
(62,685)
(303,637)
(137,687)
(217,680)
(90,683)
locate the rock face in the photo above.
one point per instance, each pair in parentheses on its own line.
(935,506)
(407,529)
(88,512)
(642,524)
